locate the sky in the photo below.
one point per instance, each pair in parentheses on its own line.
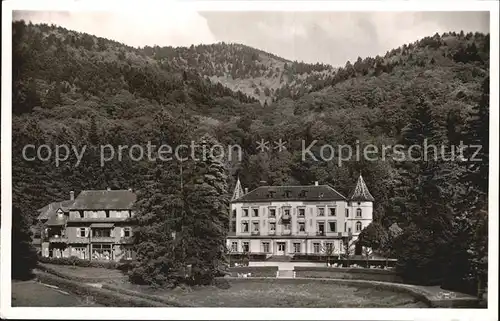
(325,37)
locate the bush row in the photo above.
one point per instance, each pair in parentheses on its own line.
(73,260)
(102,296)
(256,271)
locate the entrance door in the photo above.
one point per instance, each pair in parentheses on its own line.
(281,248)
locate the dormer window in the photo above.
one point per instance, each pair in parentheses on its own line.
(321,195)
(303,193)
(287,194)
(270,194)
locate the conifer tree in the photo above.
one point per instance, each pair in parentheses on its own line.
(23,254)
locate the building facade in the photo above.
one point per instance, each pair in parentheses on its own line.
(95,226)
(290,220)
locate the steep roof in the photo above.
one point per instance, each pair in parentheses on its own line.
(292,193)
(104,200)
(361,192)
(238,191)
(50,210)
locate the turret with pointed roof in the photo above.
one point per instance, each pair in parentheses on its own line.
(361,193)
(238,191)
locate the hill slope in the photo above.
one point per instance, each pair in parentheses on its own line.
(77,89)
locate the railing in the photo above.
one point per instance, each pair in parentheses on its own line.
(286,217)
(273,232)
(320,233)
(255,233)
(58,239)
(286,232)
(272,218)
(104,239)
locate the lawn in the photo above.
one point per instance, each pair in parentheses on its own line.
(300,294)
(34,294)
(90,273)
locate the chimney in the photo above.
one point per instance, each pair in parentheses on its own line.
(316,183)
(246,190)
(72,195)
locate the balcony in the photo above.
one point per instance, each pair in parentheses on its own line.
(273,232)
(286,217)
(272,218)
(301,218)
(286,232)
(320,233)
(255,233)
(102,239)
(58,239)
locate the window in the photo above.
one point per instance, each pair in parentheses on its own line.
(345,227)
(128,253)
(321,211)
(82,215)
(234,246)
(265,247)
(107,214)
(302,212)
(127,232)
(79,252)
(358,226)
(332,226)
(316,247)
(255,212)
(272,226)
(358,212)
(101,252)
(302,227)
(286,227)
(333,211)
(245,212)
(287,211)
(233,227)
(255,226)
(349,230)
(321,228)
(272,212)
(246,247)
(82,232)
(346,212)
(101,232)
(244,227)
(296,247)
(234,213)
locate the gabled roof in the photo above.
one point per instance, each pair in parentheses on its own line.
(55,219)
(361,192)
(292,193)
(50,210)
(104,200)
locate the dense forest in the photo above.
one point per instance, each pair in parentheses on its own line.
(77,89)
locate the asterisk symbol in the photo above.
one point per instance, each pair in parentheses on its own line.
(263,145)
(280,145)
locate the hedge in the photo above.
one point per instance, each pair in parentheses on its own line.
(256,271)
(102,296)
(73,260)
(347,273)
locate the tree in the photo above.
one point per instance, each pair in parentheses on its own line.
(206,222)
(328,250)
(24,258)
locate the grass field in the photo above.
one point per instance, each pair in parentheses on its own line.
(87,272)
(268,293)
(34,294)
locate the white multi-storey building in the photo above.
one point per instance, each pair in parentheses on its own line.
(286,220)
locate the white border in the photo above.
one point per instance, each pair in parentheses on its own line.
(246,313)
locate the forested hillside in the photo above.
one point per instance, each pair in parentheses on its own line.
(73,88)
